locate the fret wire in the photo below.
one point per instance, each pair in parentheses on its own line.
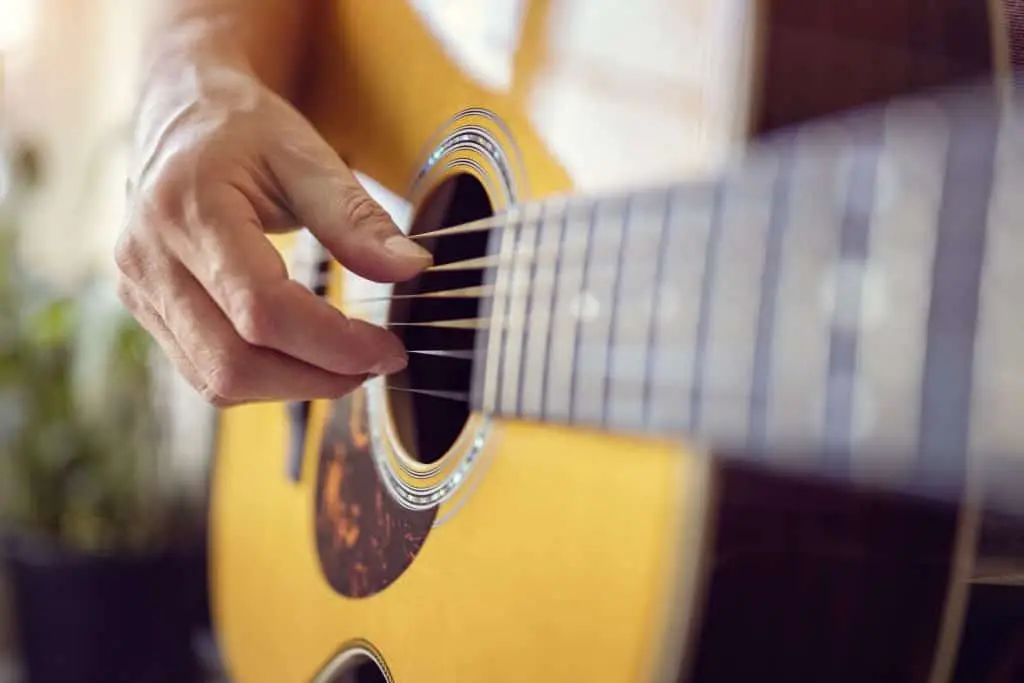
(852,254)
(615,303)
(654,322)
(896,274)
(563,222)
(728,348)
(492,343)
(704,314)
(511,269)
(523,348)
(958,263)
(588,250)
(534,347)
(761,372)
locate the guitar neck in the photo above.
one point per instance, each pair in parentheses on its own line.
(840,301)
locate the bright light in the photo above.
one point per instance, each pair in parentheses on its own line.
(17,19)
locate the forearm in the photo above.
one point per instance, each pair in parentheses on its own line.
(266,36)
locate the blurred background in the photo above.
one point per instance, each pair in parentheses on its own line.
(85,519)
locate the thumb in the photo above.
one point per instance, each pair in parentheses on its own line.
(328,199)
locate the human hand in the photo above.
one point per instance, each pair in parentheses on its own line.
(220,160)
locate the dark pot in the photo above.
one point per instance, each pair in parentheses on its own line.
(95,619)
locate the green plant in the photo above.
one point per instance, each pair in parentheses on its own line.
(80,430)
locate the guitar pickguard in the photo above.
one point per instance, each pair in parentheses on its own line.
(365,539)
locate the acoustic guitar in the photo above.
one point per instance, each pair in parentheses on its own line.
(716,374)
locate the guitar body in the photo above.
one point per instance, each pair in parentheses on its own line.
(469,547)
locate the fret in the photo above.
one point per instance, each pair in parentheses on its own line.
(998,384)
(592,308)
(898,278)
(574,309)
(618,343)
(490,379)
(514,320)
(615,302)
(858,179)
(536,337)
(960,245)
(546,388)
(693,210)
(761,370)
(996,427)
(725,356)
(700,330)
(658,297)
(573,225)
(799,348)
(633,310)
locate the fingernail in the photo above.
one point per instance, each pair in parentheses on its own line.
(389,366)
(401,246)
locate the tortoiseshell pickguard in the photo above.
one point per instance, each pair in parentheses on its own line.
(365,539)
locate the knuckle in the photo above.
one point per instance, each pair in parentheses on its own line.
(128,257)
(215,399)
(163,195)
(253,318)
(226,381)
(163,198)
(361,210)
(126,294)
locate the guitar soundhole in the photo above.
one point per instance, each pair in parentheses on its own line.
(427,425)
(359,669)
(366,672)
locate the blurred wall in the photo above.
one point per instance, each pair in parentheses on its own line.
(70,89)
(68,86)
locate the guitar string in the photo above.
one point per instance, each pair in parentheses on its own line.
(556,208)
(721,389)
(515,218)
(545,278)
(530,255)
(552,210)
(548,274)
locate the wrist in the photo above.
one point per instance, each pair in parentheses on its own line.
(189,65)
(194,44)
(189,77)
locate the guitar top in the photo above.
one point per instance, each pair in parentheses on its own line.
(714,376)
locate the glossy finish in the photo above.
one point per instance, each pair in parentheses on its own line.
(531,553)
(567,554)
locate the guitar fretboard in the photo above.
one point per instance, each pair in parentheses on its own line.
(842,298)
